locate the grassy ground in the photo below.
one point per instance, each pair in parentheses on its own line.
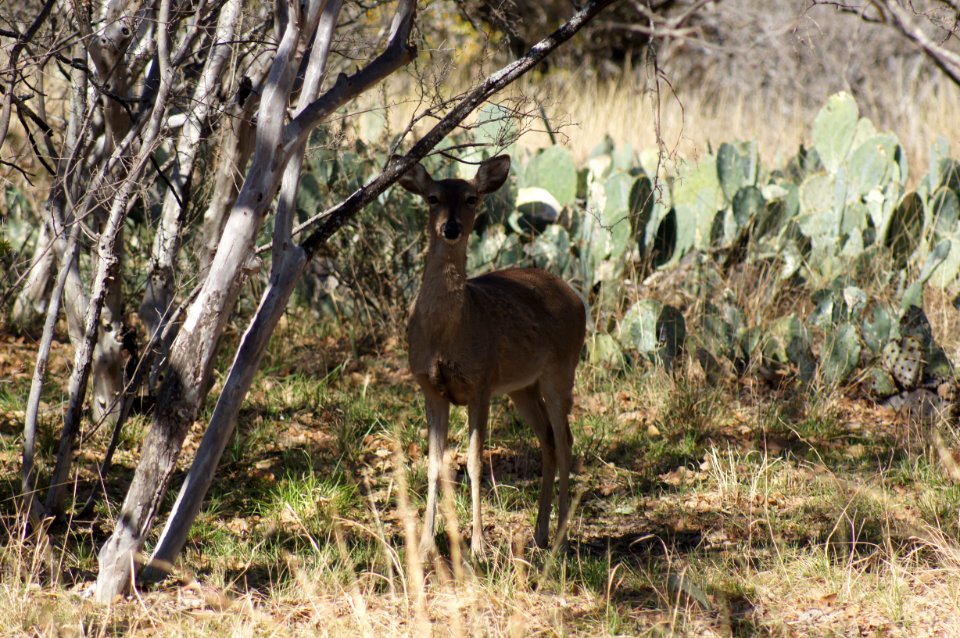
(733,509)
(703,510)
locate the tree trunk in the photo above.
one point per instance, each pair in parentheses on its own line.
(108,51)
(107,375)
(107,277)
(289,264)
(159,293)
(30,306)
(191,356)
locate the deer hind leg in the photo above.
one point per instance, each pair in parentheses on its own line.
(478,412)
(438,416)
(558,398)
(533,410)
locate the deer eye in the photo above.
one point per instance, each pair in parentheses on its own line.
(433,200)
(472,200)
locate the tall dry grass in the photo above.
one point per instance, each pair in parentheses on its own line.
(688,122)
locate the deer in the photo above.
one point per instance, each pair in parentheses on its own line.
(516,331)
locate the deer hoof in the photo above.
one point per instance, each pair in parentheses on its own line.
(427,547)
(478,547)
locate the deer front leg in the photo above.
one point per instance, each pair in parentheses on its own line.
(438,416)
(478,412)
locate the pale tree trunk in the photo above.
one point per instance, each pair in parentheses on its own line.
(107,49)
(51,243)
(30,306)
(191,356)
(67,288)
(287,266)
(107,377)
(289,261)
(159,293)
(235,150)
(118,160)
(35,512)
(88,350)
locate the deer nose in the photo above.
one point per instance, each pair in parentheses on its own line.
(451,229)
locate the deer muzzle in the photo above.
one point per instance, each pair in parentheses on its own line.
(451,230)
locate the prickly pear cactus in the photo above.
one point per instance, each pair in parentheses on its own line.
(654,331)
(697,197)
(604,232)
(904,360)
(841,353)
(877,329)
(552,170)
(903,229)
(834,129)
(736,167)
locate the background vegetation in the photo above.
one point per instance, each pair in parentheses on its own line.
(765,419)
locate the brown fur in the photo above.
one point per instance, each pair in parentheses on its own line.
(514,331)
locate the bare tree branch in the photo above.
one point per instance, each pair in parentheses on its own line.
(18,47)
(192,353)
(903,17)
(336,216)
(107,265)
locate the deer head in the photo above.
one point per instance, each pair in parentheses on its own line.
(453,202)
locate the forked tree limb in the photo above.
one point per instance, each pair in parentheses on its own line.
(901,17)
(22,41)
(903,20)
(192,354)
(107,272)
(288,267)
(160,282)
(333,218)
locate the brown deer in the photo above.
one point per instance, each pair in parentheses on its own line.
(515,331)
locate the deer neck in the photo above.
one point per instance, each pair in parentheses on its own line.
(443,293)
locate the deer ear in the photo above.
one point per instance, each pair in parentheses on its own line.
(416,180)
(492,174)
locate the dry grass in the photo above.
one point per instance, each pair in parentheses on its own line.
(587,109)
(707,511)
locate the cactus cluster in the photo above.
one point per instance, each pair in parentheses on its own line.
(622,219)
(836,206)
